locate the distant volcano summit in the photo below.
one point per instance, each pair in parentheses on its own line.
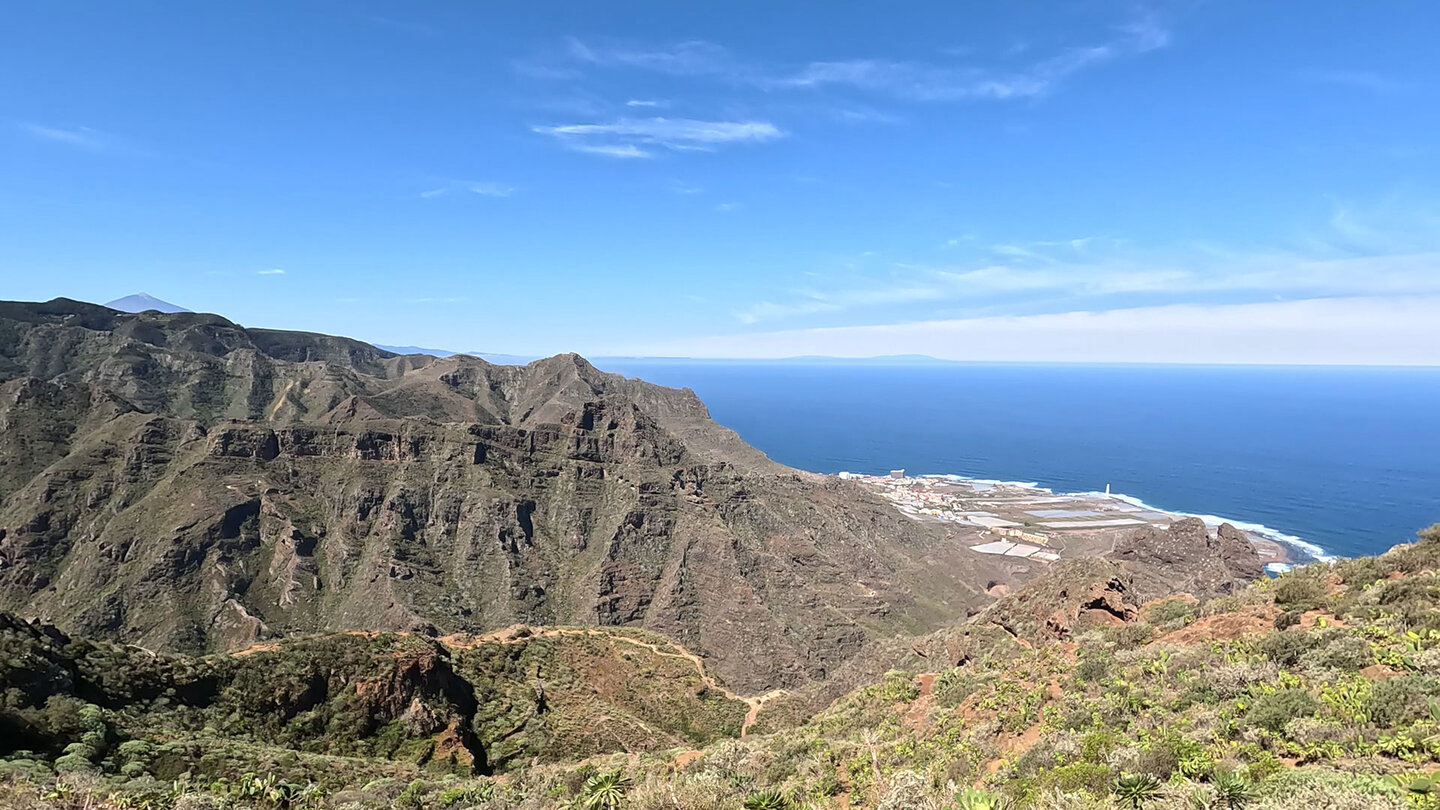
(143,302)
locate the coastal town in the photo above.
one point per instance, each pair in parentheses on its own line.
(1027,521)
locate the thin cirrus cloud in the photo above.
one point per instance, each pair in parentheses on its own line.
(626,150)
(1254,277)
(1361,330)
(812,302)
(924,81)
(77,137)
(643,137)
(274,271)
(898,80)
(901,79)
(689,58)
(1355,253)
(484,189)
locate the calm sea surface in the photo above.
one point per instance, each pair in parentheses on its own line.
(1345,459)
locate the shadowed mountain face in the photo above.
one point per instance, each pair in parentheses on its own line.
(181,482)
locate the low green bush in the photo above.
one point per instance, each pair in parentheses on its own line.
(1287,646)
(1343,652)
(1301,589)
(1273,711)
(1403,700)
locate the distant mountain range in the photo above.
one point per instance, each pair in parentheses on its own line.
(605,360)
(809,360)
(491,357)
(144,302)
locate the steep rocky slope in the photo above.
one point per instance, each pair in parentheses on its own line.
(181,482)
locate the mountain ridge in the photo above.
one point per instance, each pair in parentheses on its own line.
(142,302)
(183,482)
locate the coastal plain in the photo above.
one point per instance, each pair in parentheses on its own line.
(1033,523)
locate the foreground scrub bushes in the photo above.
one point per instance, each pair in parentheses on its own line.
(1308,789)
(1191,707)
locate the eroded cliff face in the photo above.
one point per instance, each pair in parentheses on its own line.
(180,482)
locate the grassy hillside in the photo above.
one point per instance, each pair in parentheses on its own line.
(1317,689)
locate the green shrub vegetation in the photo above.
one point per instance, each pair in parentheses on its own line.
(1340,709)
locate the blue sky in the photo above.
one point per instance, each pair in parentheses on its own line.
(1215,181)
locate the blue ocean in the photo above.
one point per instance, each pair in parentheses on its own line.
(1343,461)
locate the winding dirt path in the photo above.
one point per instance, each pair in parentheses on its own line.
(517,634)
(521,633)
(919,710)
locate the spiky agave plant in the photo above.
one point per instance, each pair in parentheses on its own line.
(977,799)
(604,790)
(768,800)
(1135,789)
(1233,791)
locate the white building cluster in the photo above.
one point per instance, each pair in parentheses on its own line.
(1011,517)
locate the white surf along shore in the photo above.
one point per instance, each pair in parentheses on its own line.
(1299,550)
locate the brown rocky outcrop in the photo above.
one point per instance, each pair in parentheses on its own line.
(1074,596)
(1187,558)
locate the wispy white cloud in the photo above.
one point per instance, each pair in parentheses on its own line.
(904,79)
(614,150)
(634,137)
(812,301)
(1392,250)
(1255,276)
(673,131)
(484,189)
(1402,330)
(490,189)
(728,207)
(274,271)
(547,71)
(690,58)
(78,137)
(860,114)
(925,81)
